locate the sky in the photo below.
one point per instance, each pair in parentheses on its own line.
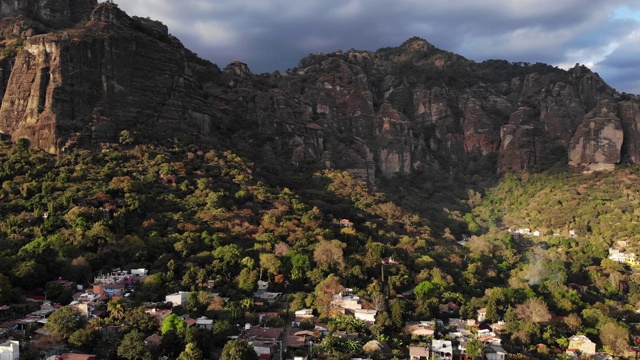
(272,35)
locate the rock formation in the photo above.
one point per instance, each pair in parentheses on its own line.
(384,113)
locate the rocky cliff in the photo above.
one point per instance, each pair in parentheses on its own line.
(392,111)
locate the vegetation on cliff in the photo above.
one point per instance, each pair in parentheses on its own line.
(191,216)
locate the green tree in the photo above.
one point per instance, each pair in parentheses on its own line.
(475,348)
(132,347)
(238,350)
(64,322)
(271,263)
(30,274)
(6,293)
(191,352)
(426,290)
(173,323)
(615,338)
(300,265)
(85,339)
(221,330)
(137,318)
(247,279)
(116,310)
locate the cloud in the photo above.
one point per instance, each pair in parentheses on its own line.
(621,66)
(275,34)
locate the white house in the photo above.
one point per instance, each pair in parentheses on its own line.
(442,349)
(495,352)
(365,315)
(10,350)
(139,272)
(204,323)
(419,353)
(177,299)
(583,344)
(482,314)
(263,285)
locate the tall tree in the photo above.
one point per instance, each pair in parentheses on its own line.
(116,310)
(64,322)
(191,352)
(329,255)
(533,310)
(132,347)
(615,338)
(238,350)
(173,323)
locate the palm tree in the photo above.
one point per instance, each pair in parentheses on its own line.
(116,310)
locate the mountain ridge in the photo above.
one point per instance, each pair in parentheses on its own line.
(379,113)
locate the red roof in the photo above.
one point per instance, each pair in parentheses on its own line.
(268,333)
(71,356)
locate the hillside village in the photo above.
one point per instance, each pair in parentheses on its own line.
(277,330)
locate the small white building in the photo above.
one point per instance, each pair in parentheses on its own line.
(177,299)
(10,350)
(139,272)
(495,352)
(482,315)
(365,315)
(204,323)
(442,349)
(263,285)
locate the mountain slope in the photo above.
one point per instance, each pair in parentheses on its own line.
(392,111)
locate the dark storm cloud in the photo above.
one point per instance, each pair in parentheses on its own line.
(275,34)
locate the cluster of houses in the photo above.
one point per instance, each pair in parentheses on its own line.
(621,255)
(113,285)
(458,333)
(536,233)
(349,304)
(432,339)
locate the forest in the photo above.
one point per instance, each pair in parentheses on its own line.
(194,217)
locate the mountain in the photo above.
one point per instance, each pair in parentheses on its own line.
(81,74)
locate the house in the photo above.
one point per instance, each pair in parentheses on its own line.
(365,315)
(191,322)
(139,272)
(495,352)
(177,299)
(482,315)
(489,337)
(10,350)
(264,349)
(86,297)
(582,344)
(263,285)
(72,356)
(263,334)
(622,257)
(449,308)
(346,223)
(159,314)
(346,302)
(442,349)
(420,328)
(84,309)
(304,314)
(204,323)
(153,340)
(419,353)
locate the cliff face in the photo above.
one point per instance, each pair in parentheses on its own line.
(83,86)
(393,111)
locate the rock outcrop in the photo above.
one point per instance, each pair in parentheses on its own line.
(598,140)
(391,112)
